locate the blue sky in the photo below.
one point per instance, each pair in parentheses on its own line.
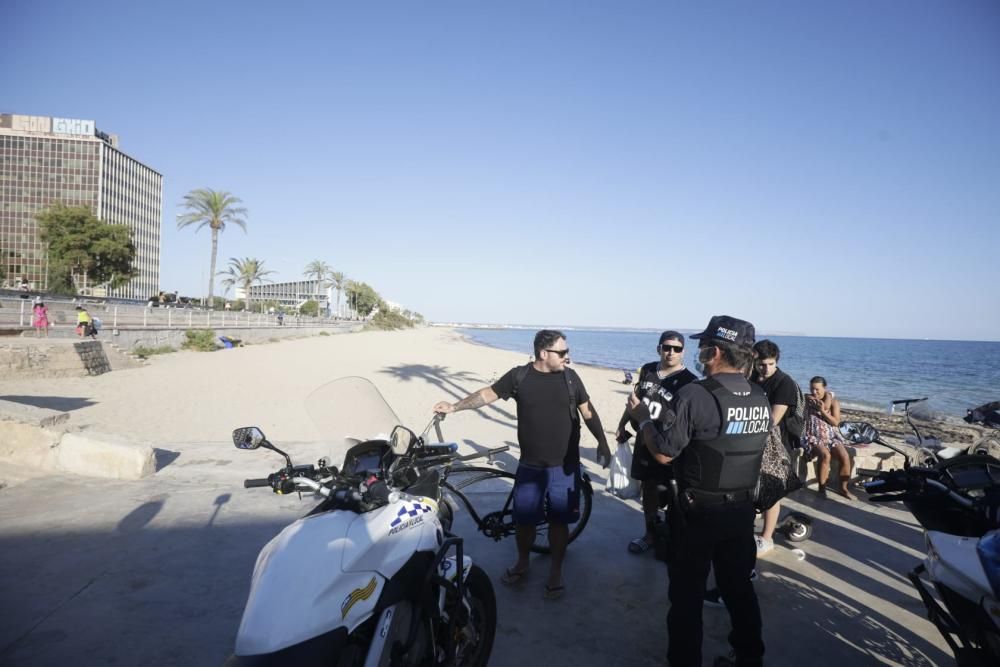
(829,168)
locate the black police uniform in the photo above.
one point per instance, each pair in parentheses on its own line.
(716,437)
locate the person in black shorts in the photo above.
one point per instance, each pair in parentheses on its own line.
(657,384)
(550,400)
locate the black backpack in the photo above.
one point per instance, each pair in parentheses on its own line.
(795,418)
(521,372)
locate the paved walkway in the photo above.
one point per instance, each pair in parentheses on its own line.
(156,572)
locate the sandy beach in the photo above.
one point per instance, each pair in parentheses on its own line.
(185,539)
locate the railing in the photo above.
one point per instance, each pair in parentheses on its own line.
(17,313)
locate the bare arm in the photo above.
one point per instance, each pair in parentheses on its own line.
(593,422)
(831,412)
(484,396)
(778,413)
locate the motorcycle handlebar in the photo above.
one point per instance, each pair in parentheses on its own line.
(451,458)
(254,483)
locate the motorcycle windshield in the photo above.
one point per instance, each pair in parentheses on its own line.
(350,407)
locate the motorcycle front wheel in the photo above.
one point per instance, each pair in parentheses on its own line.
(474,641)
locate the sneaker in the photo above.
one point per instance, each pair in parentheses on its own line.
(763,545)
(713,598)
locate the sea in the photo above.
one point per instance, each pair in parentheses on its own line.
(865,373)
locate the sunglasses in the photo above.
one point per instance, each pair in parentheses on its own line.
(562,353)
(676,348)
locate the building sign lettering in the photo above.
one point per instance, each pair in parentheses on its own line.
(72,126)
(29,123)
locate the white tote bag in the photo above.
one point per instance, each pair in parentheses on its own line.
(620,482)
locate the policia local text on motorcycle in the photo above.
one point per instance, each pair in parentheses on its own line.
(714,435)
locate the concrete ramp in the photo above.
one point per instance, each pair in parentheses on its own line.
(23,358)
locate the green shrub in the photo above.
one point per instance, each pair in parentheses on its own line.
(324,333)
(200,340)
(310,308)
(143,351)
(388,321)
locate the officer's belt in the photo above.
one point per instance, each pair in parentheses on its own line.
(701,498)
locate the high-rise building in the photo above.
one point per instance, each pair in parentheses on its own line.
(44,161)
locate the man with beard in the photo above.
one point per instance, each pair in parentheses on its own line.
(658,382)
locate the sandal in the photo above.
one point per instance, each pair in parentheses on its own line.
(553,592)
(639,546)
(512,577)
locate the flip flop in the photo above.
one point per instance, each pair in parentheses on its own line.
(512,577)
(553,592)
(639,546)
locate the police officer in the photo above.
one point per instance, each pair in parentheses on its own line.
(715,438)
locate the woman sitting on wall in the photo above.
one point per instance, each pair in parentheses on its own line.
(821,437)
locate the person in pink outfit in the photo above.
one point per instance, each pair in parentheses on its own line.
(40,319)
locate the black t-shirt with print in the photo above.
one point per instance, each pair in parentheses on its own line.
(780,390)
(546,433)
(657,392)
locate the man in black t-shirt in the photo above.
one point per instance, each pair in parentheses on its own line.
(658,382)
(550,400)
(782,394)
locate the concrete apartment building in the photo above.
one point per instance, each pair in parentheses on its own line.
(46,160)
(292,294)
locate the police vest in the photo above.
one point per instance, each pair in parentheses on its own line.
(729,462)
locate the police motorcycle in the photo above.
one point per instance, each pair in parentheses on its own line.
(371,576)
(957,502)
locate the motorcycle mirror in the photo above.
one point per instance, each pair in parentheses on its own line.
(401,440)
(248,437)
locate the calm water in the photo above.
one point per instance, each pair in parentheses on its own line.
(864,372)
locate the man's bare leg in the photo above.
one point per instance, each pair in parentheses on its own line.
(558,541)
(771,521)
(525,537)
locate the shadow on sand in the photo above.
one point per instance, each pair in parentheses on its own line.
(60,403)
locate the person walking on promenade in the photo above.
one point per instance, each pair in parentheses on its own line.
(782,395)
(40,319)
(659,381)
(550,400)
(715,434)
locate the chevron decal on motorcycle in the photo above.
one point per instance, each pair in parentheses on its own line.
(356,596)
(410,511)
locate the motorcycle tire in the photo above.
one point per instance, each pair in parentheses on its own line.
(483,603)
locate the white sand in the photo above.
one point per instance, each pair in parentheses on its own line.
(191,397)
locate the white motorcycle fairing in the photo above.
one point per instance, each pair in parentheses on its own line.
(356,554)
(952,561)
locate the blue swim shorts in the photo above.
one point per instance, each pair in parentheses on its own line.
(546,493)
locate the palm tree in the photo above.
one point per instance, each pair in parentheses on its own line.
(215,208)
(245,273)
(318,270)
(339,282)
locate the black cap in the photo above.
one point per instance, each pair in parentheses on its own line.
(729,329)
(671,335)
